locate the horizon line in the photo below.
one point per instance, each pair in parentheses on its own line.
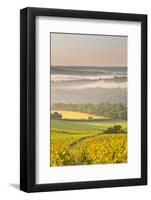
(83,66)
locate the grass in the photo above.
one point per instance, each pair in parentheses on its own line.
(79,143)
(79,127)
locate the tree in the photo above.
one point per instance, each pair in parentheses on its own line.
(109,130)
(114,129)
(117,129)
(56,115)
(123,115)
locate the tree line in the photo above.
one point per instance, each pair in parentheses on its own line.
(114,111)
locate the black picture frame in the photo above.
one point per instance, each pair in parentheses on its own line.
(28,99)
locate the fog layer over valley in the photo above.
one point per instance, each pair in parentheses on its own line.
(89,85)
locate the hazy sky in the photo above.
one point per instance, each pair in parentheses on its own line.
(88,50)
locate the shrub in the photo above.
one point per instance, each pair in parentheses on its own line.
(115,129)
(56,115)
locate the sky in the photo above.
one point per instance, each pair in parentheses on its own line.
(88,50)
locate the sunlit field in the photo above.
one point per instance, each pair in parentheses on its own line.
(77,115)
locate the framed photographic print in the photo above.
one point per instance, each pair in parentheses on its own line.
(83,95)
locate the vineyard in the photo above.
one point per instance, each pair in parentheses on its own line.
(81,143)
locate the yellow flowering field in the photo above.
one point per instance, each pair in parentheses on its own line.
(87,144)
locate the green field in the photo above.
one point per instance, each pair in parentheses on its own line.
(84,142)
